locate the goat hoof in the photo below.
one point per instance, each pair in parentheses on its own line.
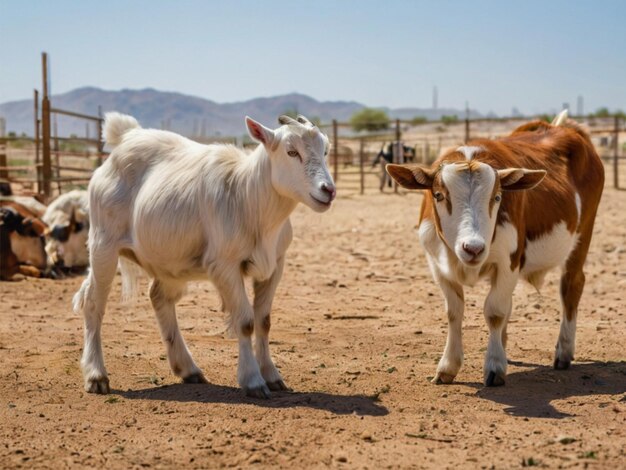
(442,378)
(278,386)
(99,386)
(258,392)
(494,380)
(197,378)
(560,364)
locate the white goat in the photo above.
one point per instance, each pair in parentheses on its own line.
(68,220)
(185,211)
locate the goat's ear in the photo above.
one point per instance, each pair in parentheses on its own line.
(411,176)
(515,179)
(259,132)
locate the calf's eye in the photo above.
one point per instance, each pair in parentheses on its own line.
(498,198)
(438,196)
(293,153)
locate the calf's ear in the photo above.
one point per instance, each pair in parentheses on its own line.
(515,179)
(411,176)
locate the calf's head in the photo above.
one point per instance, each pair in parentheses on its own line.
(297,152)
(466,197)
(66,239)
(26,236)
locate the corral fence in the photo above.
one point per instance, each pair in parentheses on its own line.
(60,163)
(357,168)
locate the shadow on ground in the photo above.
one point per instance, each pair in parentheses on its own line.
(530,392)
(211,393)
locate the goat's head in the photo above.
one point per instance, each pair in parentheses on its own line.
(66,240)
(297,152)
(466,197)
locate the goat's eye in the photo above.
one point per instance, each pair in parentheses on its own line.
(498,198)
(438,196)
(293,153)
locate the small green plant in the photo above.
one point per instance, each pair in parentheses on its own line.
(369,119)
(417,120)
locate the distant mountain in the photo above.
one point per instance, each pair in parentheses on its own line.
(190,115)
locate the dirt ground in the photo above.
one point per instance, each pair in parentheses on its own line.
(358,327)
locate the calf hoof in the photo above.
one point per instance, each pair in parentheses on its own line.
(99,386)
(494,379)
(442,378)
(561,364)
(278,386)
(195,379)
(258,392)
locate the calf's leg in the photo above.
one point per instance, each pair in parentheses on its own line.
(497,311)
(452,358)
(572,284)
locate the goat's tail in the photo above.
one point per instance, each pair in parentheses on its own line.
(130,278)
(116,125)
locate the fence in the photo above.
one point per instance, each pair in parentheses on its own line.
(353,152)
(59,161)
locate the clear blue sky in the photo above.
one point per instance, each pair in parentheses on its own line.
(495,54)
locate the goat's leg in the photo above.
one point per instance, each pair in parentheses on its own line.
(452,358)
(231,286)
(164,297)
(263,295)
(497,311)
(91,299)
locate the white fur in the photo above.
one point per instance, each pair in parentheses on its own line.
(29,202)
(190,211)
(550,249)
(469,151)
(115,126)
(470,222)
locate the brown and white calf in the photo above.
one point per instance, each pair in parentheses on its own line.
(505,209)
(21,241)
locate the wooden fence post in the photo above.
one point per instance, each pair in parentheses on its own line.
(100,138)
(399,152)
(616,154)
(4,173)
(45,128)
(361,165)
(335,150)
(37,143)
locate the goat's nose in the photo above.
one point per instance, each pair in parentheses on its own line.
(474,248)
(330,190)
